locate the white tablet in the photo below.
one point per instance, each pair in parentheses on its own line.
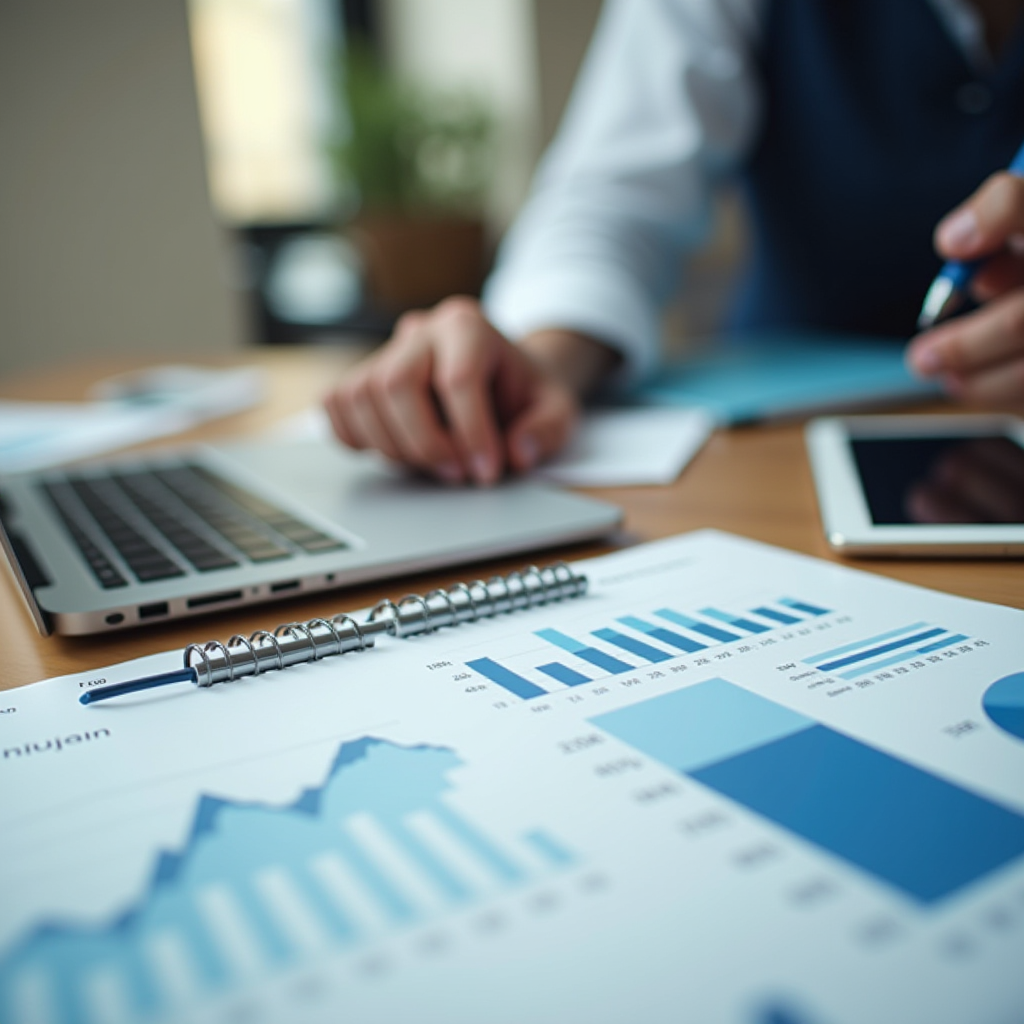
(920,485)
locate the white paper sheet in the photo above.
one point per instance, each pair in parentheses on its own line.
(729,785)
(611,448)
(624,447)
(130,409)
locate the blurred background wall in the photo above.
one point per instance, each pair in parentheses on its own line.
(107,242)
(170,177)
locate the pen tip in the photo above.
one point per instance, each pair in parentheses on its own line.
(941,300)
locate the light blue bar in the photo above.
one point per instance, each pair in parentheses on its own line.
(628,643)
(550,848)
(561,640)
(479,844)
(263,925)
(939,644)
(336,919)
(869,642)
(591,654)
(735,620)
(866,670)
(378,884)
(666,636)
(564,674)
(701,627)
(429,863)
(803,606)
(875,652)
(703,724)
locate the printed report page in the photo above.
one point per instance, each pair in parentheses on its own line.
(730,783)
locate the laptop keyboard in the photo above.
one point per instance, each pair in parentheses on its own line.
(167,522)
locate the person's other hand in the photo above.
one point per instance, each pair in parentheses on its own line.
(451,396)
(980,356)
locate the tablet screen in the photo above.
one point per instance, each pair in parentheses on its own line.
(933,480)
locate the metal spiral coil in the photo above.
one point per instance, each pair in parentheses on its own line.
(294,643)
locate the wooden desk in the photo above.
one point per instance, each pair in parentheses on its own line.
(751,481)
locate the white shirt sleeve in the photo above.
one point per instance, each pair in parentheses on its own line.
(666,101)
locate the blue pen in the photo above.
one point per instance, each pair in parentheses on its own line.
(948,289)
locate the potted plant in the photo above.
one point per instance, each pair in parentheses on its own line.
(415,166)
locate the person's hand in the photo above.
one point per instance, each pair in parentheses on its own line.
(980,356)
(451,396)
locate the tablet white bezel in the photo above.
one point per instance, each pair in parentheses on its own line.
(843,505)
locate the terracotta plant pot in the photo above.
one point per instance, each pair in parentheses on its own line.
(412,262)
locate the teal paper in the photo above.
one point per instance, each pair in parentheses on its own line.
(755,377)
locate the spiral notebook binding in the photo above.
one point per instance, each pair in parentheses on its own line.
(295,643)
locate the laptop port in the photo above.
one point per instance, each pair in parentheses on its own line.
(114,619)
(279,588)
(152,611)
(227,595)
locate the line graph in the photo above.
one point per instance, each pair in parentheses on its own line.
(377,847)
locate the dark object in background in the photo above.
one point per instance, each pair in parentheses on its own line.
(303,286)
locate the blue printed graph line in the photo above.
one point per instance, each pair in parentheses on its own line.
(256,887)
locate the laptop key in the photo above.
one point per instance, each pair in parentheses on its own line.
(238,515)
(102,568)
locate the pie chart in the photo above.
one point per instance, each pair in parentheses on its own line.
(1004,704)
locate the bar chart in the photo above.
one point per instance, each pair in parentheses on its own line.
(925,836)
(636,641)
(378,847)
(864,657)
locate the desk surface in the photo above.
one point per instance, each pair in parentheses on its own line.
(753,481)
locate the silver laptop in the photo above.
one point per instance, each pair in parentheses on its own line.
(161,536)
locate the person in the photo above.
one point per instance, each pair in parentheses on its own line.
(852,127)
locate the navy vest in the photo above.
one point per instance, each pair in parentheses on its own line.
(874,126)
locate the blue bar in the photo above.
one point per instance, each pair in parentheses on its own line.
(628,643)
(802,606)
(274,944)
(591,654)
(604,661)
(666,636)
(336,919)
(771,613)
(913,830)
(734,620)
(385,893)
(946,642)
(429,863)
(479,844)
(701,627)
(871,640)
(866,670)
(702,724)
(884,649)
(563,674)
(550,848)
(506,678)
